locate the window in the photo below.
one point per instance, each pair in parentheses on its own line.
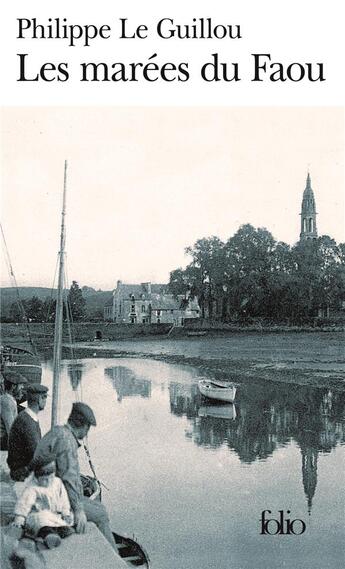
(158,312)
(143,308)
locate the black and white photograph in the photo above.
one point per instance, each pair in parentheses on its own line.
(173,296)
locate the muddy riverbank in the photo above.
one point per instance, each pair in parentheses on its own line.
(313,357)
(304,359)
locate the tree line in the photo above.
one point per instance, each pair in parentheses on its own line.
(36,310)
(252,275)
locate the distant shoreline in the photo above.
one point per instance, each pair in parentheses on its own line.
(42,333)
(310,356)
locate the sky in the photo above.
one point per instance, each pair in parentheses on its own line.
(144,183)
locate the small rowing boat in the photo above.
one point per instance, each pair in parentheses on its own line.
(128,548)
(221,391)
(197,333)
(131,552)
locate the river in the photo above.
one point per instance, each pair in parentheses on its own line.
(190,479)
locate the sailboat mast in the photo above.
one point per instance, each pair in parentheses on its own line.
(59,310)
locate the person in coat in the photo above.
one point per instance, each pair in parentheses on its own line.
(63,441)
(25,433)
(14,385)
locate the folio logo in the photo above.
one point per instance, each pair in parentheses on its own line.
(282,525)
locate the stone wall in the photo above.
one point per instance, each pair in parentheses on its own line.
(42,334)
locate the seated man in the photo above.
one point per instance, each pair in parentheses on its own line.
(14,389)
(25,433)
(63,442)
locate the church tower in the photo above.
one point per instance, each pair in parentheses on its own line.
(308,213)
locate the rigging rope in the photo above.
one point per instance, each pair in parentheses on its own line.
(71,337)
(50,303)
(19,300)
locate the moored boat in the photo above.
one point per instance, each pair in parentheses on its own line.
(197,333)
(131,552)
(220,391)
(26,362)
(18,358)
(128,548)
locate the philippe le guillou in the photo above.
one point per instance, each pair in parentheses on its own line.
(152,70)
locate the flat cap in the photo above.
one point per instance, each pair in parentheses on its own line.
(83,413)
(14,377)
(36,388)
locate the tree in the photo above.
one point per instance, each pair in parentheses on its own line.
(34,309)
(49,309)
(184,280)
(178,282)
(252,275)
(30,309)
(250,266)
(76,302)
(208,265)
(16,313)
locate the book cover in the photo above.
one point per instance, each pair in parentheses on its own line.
(205,229)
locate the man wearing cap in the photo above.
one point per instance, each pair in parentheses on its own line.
(14,388)
(63,441)
(25,433)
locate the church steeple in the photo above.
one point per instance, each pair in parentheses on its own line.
(308,213)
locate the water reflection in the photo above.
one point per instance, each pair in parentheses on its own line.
(75,372)
(224,411)
(126,383)
(265,418)
(190,476)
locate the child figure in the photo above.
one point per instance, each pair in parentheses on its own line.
(43,509)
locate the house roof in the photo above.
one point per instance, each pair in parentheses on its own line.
(158,299)
(127,290)
(165,302)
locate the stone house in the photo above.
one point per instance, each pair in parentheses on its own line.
(148,304)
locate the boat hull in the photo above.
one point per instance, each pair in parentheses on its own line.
(217,393)
(197,333)
(131,552)
(128,548)
(22,361)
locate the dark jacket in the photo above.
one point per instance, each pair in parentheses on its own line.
(24,437)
